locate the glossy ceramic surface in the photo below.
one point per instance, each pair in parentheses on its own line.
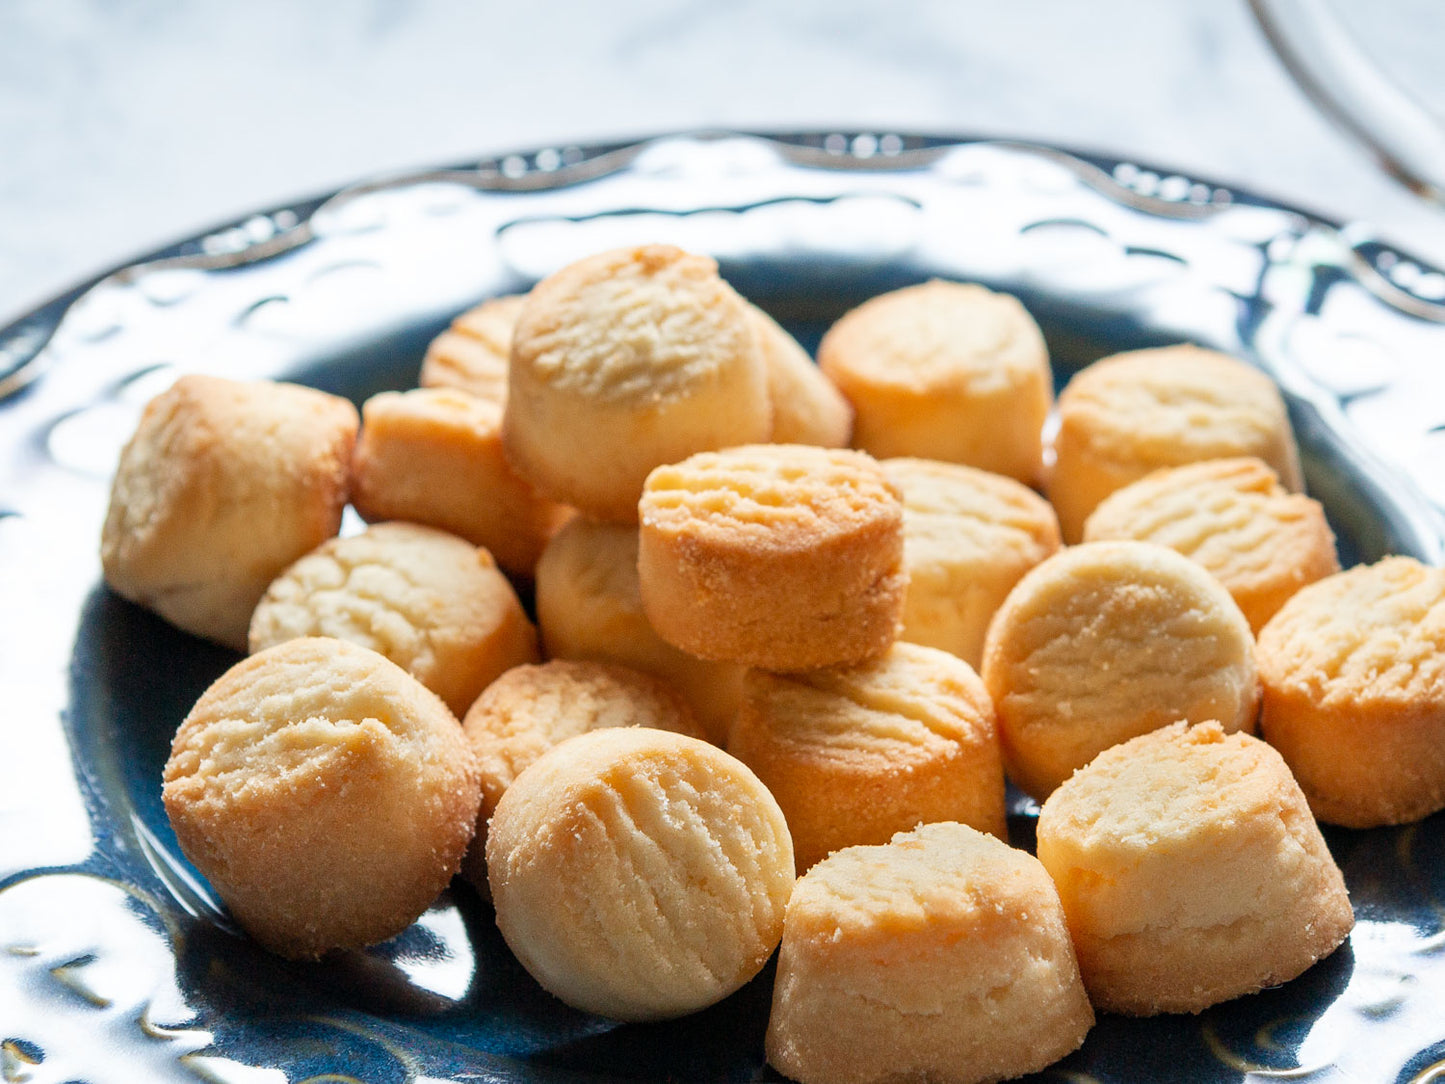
(117,963)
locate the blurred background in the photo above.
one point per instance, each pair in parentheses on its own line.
(125,124)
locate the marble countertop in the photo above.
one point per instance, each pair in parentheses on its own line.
(126,125)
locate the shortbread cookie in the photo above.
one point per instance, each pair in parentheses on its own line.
(472,355)
(941,957)
(782,556)
(807,407)
(589,606)
(1191,871)
(324,792)
(622,362)
(1354,692)
(1235,519)
(968,536)
(1108,640)
(1127,415)
(854,754)
(945,370)
(530,709)
(434,456)
(222,485)
(430,602)
(639,874)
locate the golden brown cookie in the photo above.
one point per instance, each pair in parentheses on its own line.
(434,456)
(807,407)
(1127,415)
(781,556)
(625,361)
(941,956)
(945,370)
(854,754)
(1108,640)
(324,792)
(1354,692)
(1191,871)
(639,874)
(589,606)
(472,355)
(968,536)
(1235,519)
(529,709)
(430,602)
(222,485)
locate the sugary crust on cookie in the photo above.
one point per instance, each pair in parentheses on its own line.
(1235,519)
(1108,640)
(430,602)
(472,355)
(941,956)
(434,456)
(1127,415)
(632,358)
(1191,871)
(945,370)
(589,606)
(968,537)
(222,485)
(807,407)
(1353,668)
(783,556)
(855,754)
(639,874)
(324,792)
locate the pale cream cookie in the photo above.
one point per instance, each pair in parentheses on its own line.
(222,485)
(945,370)
(1127,415)
(1235,519)
(1191,871)
(434,456)
(1108,640)
(807,407)
(781,556)
(622,362)
(968,537)
(639,874)
(854,754)
(325,793)
(432,603)
(589,606)
(941,956)
(1354,692)
(472,355)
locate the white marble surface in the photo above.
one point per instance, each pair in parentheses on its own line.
(127,123)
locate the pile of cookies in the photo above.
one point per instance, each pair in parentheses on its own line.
(801,622)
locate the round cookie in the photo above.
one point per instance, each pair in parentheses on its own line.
(1108,640)
(472,355)
(1235,519)
(430,602)
(782,556)
(855,754)
(968,537)
(941,956)
(629,359)
(1191,871)
(529,709)
(434,456)
(1130,414)
(324,792)
(589,606)
(1353,668)
(222,485)
(639,874)
(945,370)
(807,407)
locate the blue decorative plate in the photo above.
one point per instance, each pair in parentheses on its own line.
(116,961)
